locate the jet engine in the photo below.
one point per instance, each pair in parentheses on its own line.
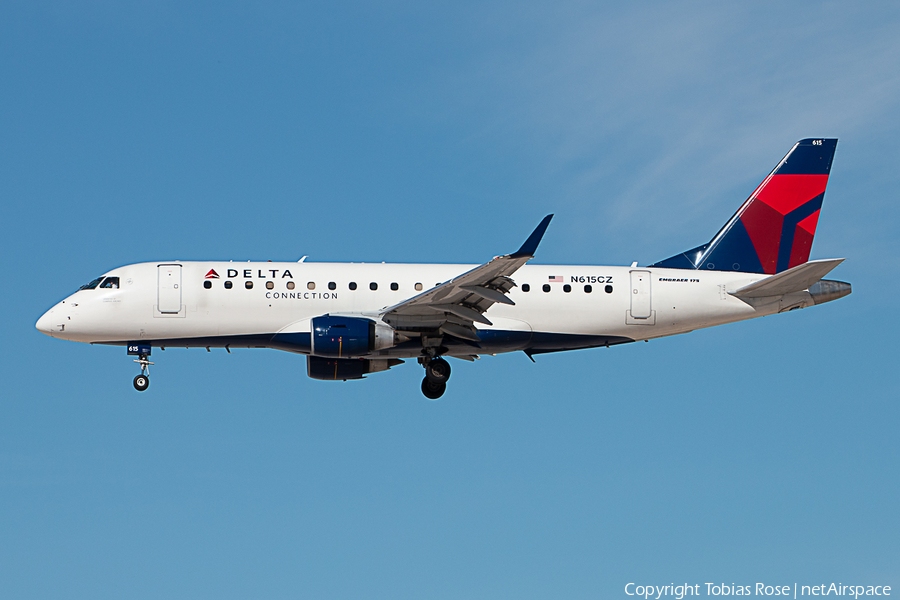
(337,369)
(350,337)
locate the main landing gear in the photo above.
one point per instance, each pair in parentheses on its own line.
(142,381)
(437,372)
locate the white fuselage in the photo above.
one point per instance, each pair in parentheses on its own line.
(164,302)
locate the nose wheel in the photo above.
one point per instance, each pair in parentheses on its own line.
(142,381)
(437,372)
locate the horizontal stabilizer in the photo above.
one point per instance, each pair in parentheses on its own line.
(796,279)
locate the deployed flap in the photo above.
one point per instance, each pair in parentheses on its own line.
(454,306)
(795,279)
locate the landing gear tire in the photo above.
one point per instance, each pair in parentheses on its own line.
(438,371)
(141,383)
(433,390)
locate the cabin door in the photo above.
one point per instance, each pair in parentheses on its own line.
(640,295)
(169,288)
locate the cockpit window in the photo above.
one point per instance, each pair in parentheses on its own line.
(110,283)
(91,285)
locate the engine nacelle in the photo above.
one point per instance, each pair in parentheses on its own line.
(342,369)
(348,337)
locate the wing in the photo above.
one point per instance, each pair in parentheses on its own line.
(454,307)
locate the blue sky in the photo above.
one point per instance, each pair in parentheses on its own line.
(761,451)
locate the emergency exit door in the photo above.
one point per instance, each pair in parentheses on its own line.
(169,288)
(640,295)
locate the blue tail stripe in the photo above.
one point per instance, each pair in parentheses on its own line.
(789,227)
(811,156)
(733,249)
(734,252)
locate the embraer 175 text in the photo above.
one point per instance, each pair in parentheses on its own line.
(354,319)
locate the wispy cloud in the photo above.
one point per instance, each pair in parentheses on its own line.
(658,109)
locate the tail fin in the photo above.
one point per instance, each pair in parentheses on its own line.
(774,229)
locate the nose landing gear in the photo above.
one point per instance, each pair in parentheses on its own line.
(437,372)
(142,381)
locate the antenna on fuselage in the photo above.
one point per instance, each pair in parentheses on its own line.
(303,259)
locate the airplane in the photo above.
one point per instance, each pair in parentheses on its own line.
(353,319)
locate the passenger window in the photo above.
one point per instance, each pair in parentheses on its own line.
(248,284)
(608,289)
(394,287)
(418,287)
(91,285)
(546,287)
(373,286)
(567,288)
(111,283)
(207,284)
(290,285)
(526,287)
(588,289)
(270,285)
(311,285)
(228,285)
(332,285)
(352,285)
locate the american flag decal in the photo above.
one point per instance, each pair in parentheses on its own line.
(556,279)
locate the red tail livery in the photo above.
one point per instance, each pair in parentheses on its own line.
(774,229)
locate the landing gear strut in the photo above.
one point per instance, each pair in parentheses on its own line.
(142,381)
(437,372)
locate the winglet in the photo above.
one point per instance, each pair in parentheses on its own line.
(531,244)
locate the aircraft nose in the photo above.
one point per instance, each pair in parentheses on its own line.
(44,323)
